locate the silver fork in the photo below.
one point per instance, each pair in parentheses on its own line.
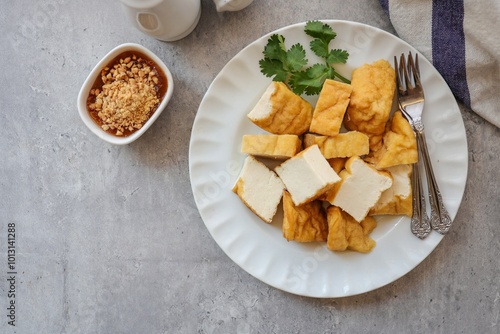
(420,224)
(411,102)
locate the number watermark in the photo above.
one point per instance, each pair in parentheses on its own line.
(11,274)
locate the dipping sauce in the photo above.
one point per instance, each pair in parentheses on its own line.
(128,92)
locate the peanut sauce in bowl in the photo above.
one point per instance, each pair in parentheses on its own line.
(125,93)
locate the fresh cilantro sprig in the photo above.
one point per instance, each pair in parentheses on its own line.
(289,65)
(280,62)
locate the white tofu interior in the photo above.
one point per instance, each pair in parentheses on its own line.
(306,174)
(262,188)
(401,184)
(361,190)
(264,106)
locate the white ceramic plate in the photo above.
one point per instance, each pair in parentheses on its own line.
(260,249)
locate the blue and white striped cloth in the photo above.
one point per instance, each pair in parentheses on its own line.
(461,38)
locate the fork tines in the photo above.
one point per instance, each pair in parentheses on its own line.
(409,71)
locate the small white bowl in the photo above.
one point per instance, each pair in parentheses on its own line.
(96,72)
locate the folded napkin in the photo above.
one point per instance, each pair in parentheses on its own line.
(460,37)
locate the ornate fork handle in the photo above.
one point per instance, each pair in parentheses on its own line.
(440,220)
(420,225)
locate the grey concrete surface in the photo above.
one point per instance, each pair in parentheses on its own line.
(109,239)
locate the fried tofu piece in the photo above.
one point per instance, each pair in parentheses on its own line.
(397,200)
(346,233)
(343,145)
(304,223)
(373,87)
(360,188)
(330,108)
(259,188)
(399,145)
(279,147)
(281,111)
(307,175)
(337,228)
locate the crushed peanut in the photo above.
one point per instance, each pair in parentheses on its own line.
(128,97)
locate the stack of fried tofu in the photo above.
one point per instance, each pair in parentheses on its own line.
(342,161)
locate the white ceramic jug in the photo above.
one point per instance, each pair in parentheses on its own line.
(166,20)
(231,5)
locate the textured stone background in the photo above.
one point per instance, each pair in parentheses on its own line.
(109,239)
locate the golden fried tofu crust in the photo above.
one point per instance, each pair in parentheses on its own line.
(372,95)
(337,227)
(337,164)
(375,142)
(271,146)
(343,145)
(330,108)
(283,112)
(399,145)
(304,223)
(346,233)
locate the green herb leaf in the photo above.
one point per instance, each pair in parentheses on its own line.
(337,56)
(270,67)
(275,48)
(296,58)
(319,47)
(289,65)
(318,29)
(311,80)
